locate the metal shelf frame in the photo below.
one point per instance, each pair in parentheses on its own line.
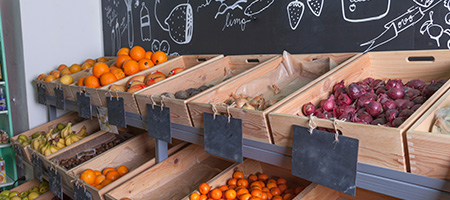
(381,180)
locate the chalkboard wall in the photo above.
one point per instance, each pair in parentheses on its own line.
(269,26)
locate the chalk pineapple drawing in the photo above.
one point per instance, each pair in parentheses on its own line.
(315,6)
(295,11)
(257,7)
(145,24)
(179,23)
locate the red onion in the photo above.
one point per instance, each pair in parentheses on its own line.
(364,100)
(415,107)
(355,91)
(391,114)
(390,104)
(416,84)
(396,93)
(308,109)
(400,102)
(365,86)
(411,93)
(361,111)
(343,99)
(394,83)
(397,121)
(442,81)
(383,98)
(377,83)
(368,80)
(405,113)
(374,108)
(318,112)
(345,110)
(419,100)
(321,115)
(328,104)
(407,105)
(430,89)
(380,121)
(338,85)
(364,118)
(381,90)
(339,91)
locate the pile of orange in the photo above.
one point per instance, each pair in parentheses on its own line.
(100,179)
(254,187)
(63,70)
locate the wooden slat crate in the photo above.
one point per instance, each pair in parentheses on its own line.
(189,63)
(173,178)
(214,73)
(380,146)
(254,122)
(429,153)
(255,167)
(319,192)
(71,117)
(27,185)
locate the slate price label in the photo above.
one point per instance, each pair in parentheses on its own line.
(223,137)
(60,101)
(55,182)
(37,167)
(320,158)
(84,105)
(116,111)
(42,96)
(158,119)
(81,193)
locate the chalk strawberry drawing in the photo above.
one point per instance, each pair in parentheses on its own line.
(315,6)
(295,11)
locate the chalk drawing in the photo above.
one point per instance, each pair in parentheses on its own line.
(161,46)
(257,7)
(424,3)
(364,10)
(295,11)
(203,5)
(129,3)
(315,6)
(145,24)
(179,23)
(447,4)
(224,8)
(115,38)
(433,30)
(136,4)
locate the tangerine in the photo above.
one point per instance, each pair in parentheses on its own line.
(277,197)
(65,72)
(204,188)
(252,177)
(245,196)
(41,77)
(216,194)
(137,53)
(91,82)
(75,68)
(242,182)
(148,55)
(90,61)
(282,187)
(107,78)
(271,185)
(61,67)
(145,64)
(118,73)
(99,179)
(108,169)
(232,181)
(288,196)
(223,188)
(281,181)
(241,191)
(122,59)
(99,69)
(230,194)
(123,51)
(203,197)
(97,172)
(106,182)
(263,177)
(238,175)
(86,66)
(81,82)
(159,57)
(49,78)
(88,176)
(55,73)
(194,196)
(256,193)
(275,191)
(130,67)
(122,170)
(102,59)
(112,175)
(299,189)
(99,187)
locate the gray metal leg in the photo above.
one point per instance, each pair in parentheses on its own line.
(161,151)
(51,112)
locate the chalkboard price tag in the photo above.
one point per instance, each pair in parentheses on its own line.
(320,158)
(116,111)
(81,193)
(84,105)
(42,96)
(223,137)
(158,119)
(19,160)
(55,182)
(60,101)
(37,167)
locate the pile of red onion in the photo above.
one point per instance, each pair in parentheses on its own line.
(374,101)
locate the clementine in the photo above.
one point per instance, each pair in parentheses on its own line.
(91,82)
(99,69)
(159,57)
(123,51)
(137,53)
(122,170)
(130,67)
(75,68)
(81,81)
(61,67)
(107,78)
(88,176)
(148,55)
(122,59)
(112,175)
(145,64)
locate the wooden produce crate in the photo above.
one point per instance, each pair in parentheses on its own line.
(215,73)
(319,192)
(173,178)
(250,166)
(70,117)
(27,185)
(378,145)
(138,154)
(429,153)
(189,63)
(254,122)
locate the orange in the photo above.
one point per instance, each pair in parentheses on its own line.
(145,64)
(108,169)
(99,69)
(159,57)
(216,193)
(49,78)
(281,181)
(118,73)
(41,77)
(55,73)
(88,176)
(102,59)
(288,196)
(130,67)
(122,59)
(256,193)
(275,191)
(86,66)
(242,182)
(81,82)
(107,78)
(264,196)
(194,196)
(252,177)
(223,188)
(282,187)
(75,68)
(246,196)
(106,182)
(61,67)
(122,170)
(277,197)
(148,55)
(265,189)
(263,177)
(230,194)
(123,51)
(241,191)
(256,183)
(112,175)
(99,179)
(137,53)
(232,181)
(91,82)
(204,188)
(90,61)
(99,187)
(65,72)
(271,185)
(269,195)
(238,175)
(203,197)
(97,172)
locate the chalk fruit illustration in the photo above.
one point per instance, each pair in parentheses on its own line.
(295,11)
(179,23)
(424,3)
(315,6)
(145,24)
(257,7)
(435,31)
(363,11)
(223,8)
(161,46)
(129,4)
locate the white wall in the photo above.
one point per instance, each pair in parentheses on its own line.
(56,32)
